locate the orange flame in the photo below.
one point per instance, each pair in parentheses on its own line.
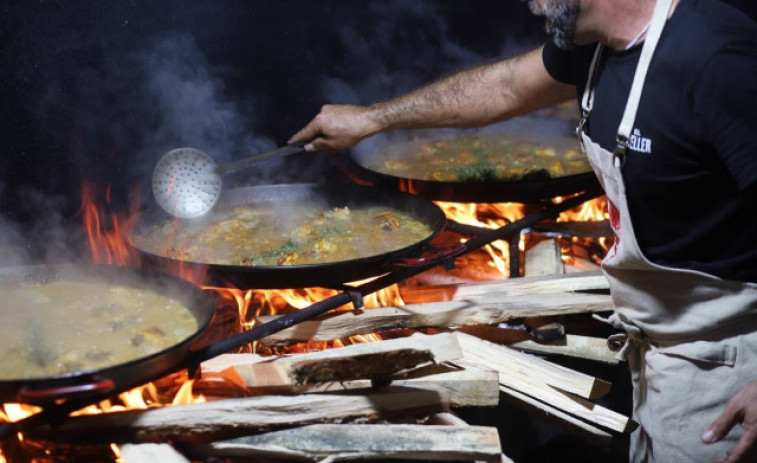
(107,246)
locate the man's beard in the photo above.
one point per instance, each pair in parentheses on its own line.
(561,16)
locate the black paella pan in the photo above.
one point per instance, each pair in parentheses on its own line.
(90,384)
(371,163)
(280,197)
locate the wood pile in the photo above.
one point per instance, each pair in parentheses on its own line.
(391,399)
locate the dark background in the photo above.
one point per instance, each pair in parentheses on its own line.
(98,91)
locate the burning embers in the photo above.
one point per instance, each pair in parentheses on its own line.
(243,309)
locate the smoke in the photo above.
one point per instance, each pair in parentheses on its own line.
(98,92)
(394,46)
(189,107)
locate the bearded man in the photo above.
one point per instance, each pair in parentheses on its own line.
(669,108)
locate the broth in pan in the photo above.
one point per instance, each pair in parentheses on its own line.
(480,158)
(64,326)
(261,235)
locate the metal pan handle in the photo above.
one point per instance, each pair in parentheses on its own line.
(434,254)
(32,396)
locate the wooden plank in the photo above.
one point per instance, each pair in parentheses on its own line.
(373,360)
(552,397)
(512,287)
(544,258)
(585,347)
(555,414)
(150,453)
(328,442)
(486,310)
(466,387)
(510,360)
(233,417)
(294,375)
(450,419)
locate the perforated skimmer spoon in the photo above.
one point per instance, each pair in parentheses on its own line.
(187,182)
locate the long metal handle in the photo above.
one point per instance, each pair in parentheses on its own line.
(278,152)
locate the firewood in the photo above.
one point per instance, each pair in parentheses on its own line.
(373,360)
(151,453)
(507,288)
(585,347)
(512,361)
(544,258)
(328,442)
(234,417)
(467,387)
(555,414)
(450,419)
(440,314)
(555,398)
(530,376)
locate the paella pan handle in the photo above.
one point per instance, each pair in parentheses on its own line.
(435,252)
(44,396)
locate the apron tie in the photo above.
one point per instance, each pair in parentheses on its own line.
(623,343)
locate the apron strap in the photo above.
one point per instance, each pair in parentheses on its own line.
(587,101)
(659,17)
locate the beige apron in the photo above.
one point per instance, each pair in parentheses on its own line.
(691,338)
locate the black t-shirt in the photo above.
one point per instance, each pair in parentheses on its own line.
(691,175)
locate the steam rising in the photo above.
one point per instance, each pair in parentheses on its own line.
(100,91)
(189,105)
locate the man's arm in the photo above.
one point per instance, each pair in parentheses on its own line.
(475,97)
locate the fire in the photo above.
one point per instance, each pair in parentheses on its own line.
(107,236)
(491,216)
(106,239)
(495,215)
(593,210)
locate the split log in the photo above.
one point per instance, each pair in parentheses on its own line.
(484,310)
(531,381)
(324,442)
(544,258)
(505,359)
(234,417)
(374,360)
(585,347)
(151,453)
(468,387)
(507,288)
(450,419)
(555,414)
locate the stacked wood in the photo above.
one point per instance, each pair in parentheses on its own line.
(472,304)
(377,361)
(466,387)
(235,417)
(584,347)
(541,382)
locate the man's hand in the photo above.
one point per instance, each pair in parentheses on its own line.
(741,409)
(336,127)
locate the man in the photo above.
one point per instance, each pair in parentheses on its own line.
(670,110)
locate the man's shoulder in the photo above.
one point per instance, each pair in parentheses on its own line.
(701,29)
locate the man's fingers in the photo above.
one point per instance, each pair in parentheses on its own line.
(305,136)
(722,424)
(743,447)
